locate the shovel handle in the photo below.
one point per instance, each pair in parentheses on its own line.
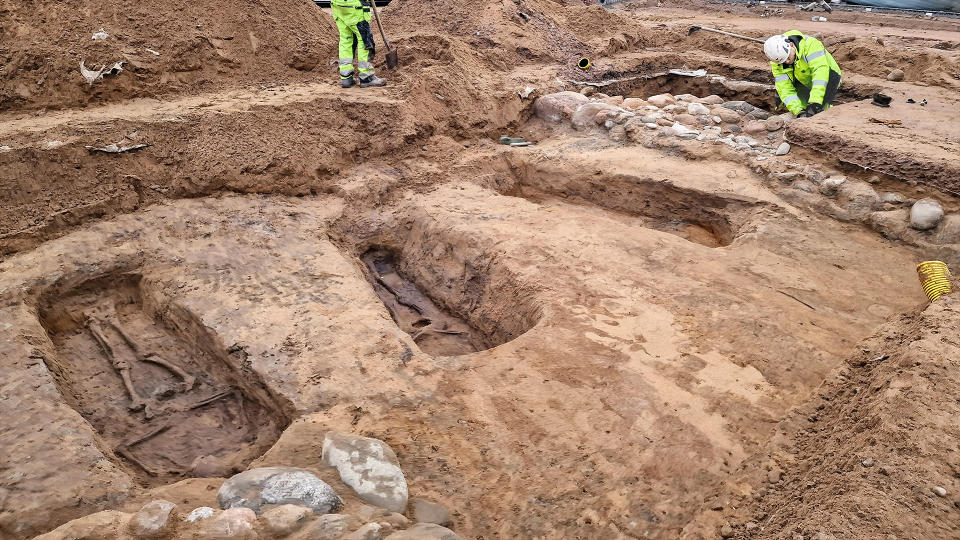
(731,34)
(376,16)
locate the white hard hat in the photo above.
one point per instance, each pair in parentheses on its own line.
(777,48)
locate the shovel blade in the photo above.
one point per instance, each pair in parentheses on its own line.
(392,60)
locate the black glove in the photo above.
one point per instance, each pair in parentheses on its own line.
(814,108)
(367,35)
(804,114)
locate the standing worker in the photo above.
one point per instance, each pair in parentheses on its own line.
(806,75)
(353,23)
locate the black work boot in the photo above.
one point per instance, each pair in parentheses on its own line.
(371,80)
(347,83)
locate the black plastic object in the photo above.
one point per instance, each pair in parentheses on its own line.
(881,100)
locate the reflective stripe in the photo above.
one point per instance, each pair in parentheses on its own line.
(365,65)
(790,99)
(345,62)
(814,56)
(819,83)
(781,78)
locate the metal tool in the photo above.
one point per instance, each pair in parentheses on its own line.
(392,60)
(714,30)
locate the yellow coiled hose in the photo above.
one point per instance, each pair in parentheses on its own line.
(934,278)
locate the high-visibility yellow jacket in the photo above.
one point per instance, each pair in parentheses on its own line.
(811,69)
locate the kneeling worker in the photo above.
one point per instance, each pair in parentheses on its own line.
(353,23)
(806,75)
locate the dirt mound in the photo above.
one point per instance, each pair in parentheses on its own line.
(166,46)
(867,56)
(519,30)
(878,443)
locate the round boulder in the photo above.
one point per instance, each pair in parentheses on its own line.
(895,75)
(556,107)
(369,466)
(661,100)
(276,486)
(925,214)
(153,520)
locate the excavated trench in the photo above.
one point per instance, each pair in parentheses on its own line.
(754,87)
(158,389)
(705,218)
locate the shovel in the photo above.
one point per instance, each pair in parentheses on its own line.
(392,61)
(695,28)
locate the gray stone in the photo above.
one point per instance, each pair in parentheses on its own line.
(743,139)
(783,149)
(369,466)
(729,116)
(101,525)
(893,224)
(425,511)
(583,117)
(395,520)
(774,123)
(198,514)
(328,527)
(867,462)
(697,109)
(814,175)
(892,198)
(755,128)
(831,186)
(661,100)
(925,214)
(895,75)
(759,114)
(704,120)
(285,519)
(733,105)
(424,531)
(804,185)
(618,133)
(556,107)
(858,197)
(949,231)
(726,531)
(153,520)
(275,486)
(785,178)
(734,128)
(231,524)
(370,531)
(609,124)
(687,135)
(939,491)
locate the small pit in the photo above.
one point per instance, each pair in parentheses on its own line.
(439,330)
(167,403)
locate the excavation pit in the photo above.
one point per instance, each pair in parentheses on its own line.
(705,218)
(435,328)
(165,401)
(757,89)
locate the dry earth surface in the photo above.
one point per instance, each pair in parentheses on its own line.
(650,323)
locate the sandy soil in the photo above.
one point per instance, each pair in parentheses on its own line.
(583,338)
